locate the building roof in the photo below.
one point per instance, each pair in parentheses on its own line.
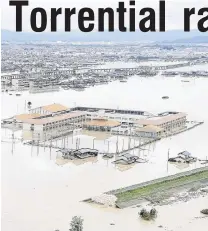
(185,153)
(53,119)
(23,117)
(54,107)
(150,128)
(157,121)
(103,123)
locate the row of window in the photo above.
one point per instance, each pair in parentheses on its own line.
(112,118)
(63,122)
(174,122)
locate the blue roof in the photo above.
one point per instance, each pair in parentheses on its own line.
(185,153)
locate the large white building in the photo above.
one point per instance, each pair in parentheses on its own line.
(116,121)
(139,123)
(46,123)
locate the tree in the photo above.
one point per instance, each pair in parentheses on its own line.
(76,224)
(148,215)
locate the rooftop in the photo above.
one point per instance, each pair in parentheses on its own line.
(56,107)
(161,119)
(23,117)
(53,119)
(103,123)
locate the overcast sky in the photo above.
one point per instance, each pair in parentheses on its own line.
(174,11)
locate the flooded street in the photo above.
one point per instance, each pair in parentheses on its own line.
(41,192)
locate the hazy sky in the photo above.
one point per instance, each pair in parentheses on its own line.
(174,11)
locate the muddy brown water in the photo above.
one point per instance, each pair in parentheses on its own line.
(40,194)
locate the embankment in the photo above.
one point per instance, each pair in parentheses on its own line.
(134,194)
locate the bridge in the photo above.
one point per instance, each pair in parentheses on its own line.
(140,68)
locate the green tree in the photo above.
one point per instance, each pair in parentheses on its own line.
(76,224)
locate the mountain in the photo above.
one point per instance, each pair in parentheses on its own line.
(197,39)
(116,36)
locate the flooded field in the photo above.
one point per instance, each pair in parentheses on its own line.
(41,191)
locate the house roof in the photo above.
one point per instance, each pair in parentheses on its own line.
(185,153)
(103,123)
(54,107)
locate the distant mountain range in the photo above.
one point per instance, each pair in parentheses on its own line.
(177,36)
(197,39)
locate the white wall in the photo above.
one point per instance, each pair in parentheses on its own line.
(38,127)
(26,126)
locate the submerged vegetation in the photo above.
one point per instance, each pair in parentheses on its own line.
(148,215)
(76,224)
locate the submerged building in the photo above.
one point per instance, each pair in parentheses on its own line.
(114,121)
(162,124)
(133,122)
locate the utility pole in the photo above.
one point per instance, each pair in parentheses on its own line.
(129,144)
(25,105)
(117,144)
(64,142)
(44,141)
(168,158)
(93,145)
(134,145)
(38,143)
(12,143)
(76,143)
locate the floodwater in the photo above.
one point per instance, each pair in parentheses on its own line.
(134,65)
(41,192)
